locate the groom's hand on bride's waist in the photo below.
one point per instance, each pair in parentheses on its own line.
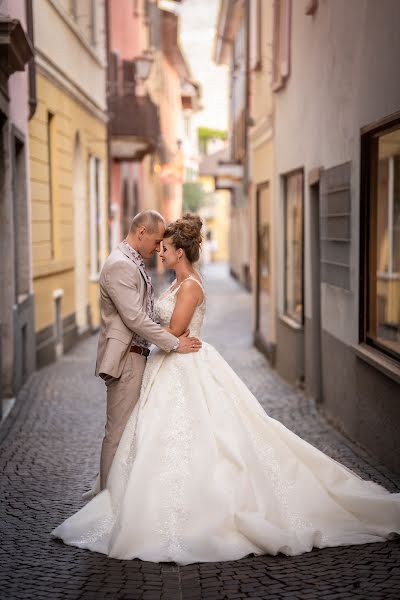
(188,344)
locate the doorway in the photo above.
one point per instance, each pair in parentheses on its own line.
(263,332)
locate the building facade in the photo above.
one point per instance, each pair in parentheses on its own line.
(68,171)
(232,49)
(323,131)
(151,100)
(337,177)
(134,126)
(17,347)
(244,41)
(261,191)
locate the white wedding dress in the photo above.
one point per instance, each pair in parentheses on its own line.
(202,473)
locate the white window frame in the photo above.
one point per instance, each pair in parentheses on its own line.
(97,233)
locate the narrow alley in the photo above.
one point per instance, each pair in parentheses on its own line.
(49,452)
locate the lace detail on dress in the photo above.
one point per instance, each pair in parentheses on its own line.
(176,443)
(164,307)
(176,457)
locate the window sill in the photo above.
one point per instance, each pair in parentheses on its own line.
(378,360)
(291,322)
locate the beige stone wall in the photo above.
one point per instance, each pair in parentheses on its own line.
(68,48)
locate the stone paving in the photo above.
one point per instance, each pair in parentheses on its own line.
(49,450)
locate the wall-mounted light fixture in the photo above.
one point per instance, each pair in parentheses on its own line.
(143,66)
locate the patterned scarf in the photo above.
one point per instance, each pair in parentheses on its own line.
(138,260)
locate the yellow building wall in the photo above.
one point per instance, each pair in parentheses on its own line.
(222,212)
(220,222)
(53,214)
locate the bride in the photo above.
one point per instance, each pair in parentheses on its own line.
(202,473)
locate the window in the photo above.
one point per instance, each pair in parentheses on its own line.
(51,166)
(93,23)
(135,198)
(335,225)
(95,216)
(263,216)
(281,43)
(238,93)
(294,246)
(255,34)
(125,216)
(84,13)
(20,217)
(187,125)
(380,326)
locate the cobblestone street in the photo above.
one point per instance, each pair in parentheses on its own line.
(49,452)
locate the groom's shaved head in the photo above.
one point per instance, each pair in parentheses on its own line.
(149,219)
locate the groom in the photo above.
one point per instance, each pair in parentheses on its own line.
(127,327)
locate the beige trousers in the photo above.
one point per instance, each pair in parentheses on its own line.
(122,396)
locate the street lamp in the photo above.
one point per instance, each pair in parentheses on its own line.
(143,66)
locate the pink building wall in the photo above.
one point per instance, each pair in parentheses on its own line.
(126,35)
(170,105)
(127,39)
(170,114)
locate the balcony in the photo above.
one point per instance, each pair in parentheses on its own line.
(15,47)
(134,121)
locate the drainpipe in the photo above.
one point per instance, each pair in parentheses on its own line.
(31,64)
(247,117)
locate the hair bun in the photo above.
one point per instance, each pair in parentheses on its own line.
(193,225)
(186,234)
(193,219)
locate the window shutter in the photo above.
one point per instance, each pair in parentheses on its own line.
(335,215)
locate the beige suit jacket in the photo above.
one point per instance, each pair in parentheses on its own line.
(122,310)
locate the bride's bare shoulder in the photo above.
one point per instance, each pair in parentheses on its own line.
(193,288)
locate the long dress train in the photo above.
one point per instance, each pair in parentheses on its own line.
(202,473)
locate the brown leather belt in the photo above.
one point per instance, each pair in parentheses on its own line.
(140,350)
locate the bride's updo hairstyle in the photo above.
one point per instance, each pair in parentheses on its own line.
(185,233)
